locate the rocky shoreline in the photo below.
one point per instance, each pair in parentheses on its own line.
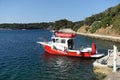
(98,36)
(103,33)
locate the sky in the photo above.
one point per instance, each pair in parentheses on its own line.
(36,11)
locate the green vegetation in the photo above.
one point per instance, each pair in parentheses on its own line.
(26,26)
(116,23)
(110,17)
(63,23)
(77,25)
(100,76)
(95,25)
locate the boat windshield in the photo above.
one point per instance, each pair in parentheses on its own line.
(58,41)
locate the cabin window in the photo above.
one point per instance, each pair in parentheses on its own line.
(63,41)
(57,40)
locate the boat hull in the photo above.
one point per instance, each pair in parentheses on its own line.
(49,50)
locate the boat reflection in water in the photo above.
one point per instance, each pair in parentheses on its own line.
(62,67)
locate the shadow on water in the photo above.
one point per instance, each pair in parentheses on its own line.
(67,68)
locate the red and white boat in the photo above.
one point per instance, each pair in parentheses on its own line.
(62,44)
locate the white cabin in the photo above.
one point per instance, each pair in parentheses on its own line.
(62,43)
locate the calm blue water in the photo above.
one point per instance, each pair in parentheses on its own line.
(21,58)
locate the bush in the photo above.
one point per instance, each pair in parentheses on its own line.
(77,25)
(96,25)
(116,23)
(105,22)
(87,28)
(100,76)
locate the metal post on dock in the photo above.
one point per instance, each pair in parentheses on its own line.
(114,58)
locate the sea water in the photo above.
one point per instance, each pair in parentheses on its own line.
(21,58)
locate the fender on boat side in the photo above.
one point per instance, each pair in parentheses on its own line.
(97,55)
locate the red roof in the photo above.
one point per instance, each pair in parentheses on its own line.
(65,35)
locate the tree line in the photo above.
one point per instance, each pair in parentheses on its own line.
(59,24)
(42,25)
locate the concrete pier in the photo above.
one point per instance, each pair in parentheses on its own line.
(113,76)
(109,64)
(107,61)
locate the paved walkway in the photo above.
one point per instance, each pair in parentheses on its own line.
(105,37)
(113,76)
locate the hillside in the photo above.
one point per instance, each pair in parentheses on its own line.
(107,22)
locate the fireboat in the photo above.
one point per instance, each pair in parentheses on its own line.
(62,44)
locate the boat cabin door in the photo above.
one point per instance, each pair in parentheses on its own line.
(70,44)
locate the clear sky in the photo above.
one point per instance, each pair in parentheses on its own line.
(31,11)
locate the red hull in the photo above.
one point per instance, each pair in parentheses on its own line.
(59,52)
